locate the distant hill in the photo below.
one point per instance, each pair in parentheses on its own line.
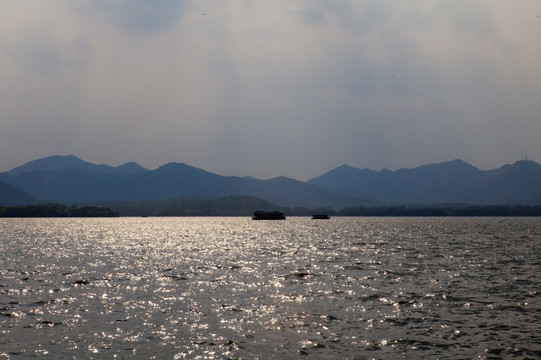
(519,183)
(11,196)
(448,182)
(84,183)
(59,162)
(70,180)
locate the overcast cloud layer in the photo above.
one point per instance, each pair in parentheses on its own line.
(269,88)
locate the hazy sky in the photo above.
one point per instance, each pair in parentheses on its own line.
(270,88)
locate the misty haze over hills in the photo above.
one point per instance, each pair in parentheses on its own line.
(70,180)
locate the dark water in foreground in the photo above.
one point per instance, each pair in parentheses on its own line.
(213,288)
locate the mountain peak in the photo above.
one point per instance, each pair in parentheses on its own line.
(525,163)
(50,163)
(173,165)
(66,162)
(130,168)
(456,163)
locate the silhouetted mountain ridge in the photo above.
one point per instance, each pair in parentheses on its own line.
(76,181)
(70,180)
(447,182)
(64,162)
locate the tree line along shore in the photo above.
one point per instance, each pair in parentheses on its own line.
(57,210)
(245,206)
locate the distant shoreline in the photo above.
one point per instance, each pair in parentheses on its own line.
(56,211)
(446,211)
(190,209)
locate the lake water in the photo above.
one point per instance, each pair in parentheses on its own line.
(218,288)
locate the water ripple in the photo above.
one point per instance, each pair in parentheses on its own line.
(211,288)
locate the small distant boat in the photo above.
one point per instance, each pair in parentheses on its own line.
(268,215)
(321,216)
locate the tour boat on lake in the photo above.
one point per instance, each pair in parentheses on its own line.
(268,215)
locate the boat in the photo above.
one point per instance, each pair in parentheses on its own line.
(320,216)
(268,215)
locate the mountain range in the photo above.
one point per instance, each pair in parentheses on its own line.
(70,180)
(448,182)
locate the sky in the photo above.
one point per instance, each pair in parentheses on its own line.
(271,88)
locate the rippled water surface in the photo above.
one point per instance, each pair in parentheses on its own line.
(207,288)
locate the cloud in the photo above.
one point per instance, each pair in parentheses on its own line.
(270,88)
(36,46)
(140,15)
(311,16)
(39,52)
